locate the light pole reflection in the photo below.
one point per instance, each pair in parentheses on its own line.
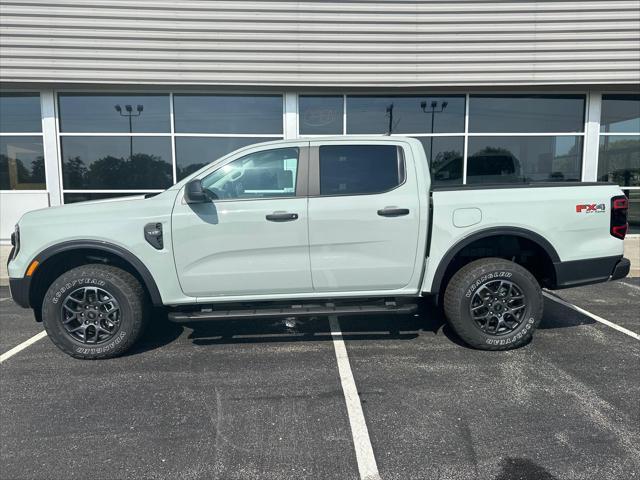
(433,110)
(130,114)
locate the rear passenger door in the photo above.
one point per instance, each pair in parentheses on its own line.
(363,216)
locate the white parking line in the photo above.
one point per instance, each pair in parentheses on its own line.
(635,287)
(22,346)
(364,452)
(593,316)
(4,299)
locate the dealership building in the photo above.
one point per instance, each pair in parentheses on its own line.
(106,98)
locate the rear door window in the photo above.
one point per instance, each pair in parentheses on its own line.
(360,169)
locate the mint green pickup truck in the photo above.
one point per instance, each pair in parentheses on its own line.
(331,226)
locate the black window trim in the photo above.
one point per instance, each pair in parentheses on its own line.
(314,170)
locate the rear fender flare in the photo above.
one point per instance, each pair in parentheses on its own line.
(490,232)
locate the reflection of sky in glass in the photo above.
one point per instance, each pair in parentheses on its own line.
(368,114)
(91,149)
(620,114)
(20,113)
(526,113)
(320,115)
(564,145)
(97,113)
(246,114)
(193,153)
(623,126)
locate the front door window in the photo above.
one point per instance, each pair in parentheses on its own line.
(265,174)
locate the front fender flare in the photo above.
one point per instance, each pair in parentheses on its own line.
(126,255)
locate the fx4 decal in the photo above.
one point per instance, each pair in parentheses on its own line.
(591,208)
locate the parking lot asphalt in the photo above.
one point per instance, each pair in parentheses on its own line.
(243,400)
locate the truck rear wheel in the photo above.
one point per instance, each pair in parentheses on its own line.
(94,311)
(493,304)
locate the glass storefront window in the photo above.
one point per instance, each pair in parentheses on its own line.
(21,163)
(20,113)
(620,114)
(193,153)
(405,114)
(240,114)
(445,155)
(526,113)
(114,113)
(321,115)
(87,196)
(118,163)
(524,159)
(634,211)
(619,159)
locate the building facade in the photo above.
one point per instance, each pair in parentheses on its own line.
(105,98)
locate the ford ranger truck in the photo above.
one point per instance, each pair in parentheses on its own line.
(333,226)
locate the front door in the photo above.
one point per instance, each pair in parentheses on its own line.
(364,217)
(252,239)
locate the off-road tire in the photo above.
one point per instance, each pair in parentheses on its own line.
(460,292)
(123,286)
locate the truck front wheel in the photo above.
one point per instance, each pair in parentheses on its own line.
(493,304)
(94,311)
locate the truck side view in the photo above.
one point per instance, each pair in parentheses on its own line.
(315,227)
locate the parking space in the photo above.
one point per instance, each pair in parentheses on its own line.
(13,327)
(226,400)
(246,400)
(564,406)
(615,301)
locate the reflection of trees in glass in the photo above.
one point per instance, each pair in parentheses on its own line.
(141,171)
(488,151)
(495,163)
(567,166)
(539,162)
(619,161)
(447,165)
(74,172)
(15,175)
(188,170)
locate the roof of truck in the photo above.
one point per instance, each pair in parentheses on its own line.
(350,138)
(342,138)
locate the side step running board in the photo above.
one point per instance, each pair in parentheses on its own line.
(292,311)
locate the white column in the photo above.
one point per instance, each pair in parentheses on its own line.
(591,138)
(465,148)
(50,144)
(290,115)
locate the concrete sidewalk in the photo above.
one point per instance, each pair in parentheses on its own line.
(631,251)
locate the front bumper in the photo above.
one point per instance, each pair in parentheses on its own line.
(593,270)
(19,289)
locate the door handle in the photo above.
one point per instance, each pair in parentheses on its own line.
(282,217)
(393,212)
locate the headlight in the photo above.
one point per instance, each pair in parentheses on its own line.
(15,241)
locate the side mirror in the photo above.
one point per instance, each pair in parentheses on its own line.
(194,193)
